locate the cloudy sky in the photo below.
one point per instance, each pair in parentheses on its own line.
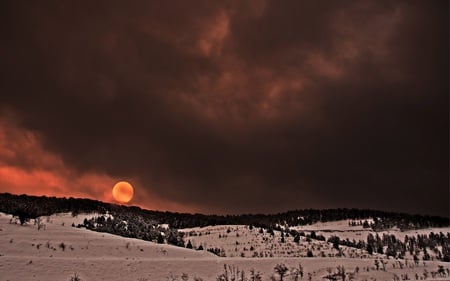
(228,106)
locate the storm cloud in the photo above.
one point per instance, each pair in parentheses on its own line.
(232,107)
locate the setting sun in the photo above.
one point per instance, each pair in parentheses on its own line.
(123,192)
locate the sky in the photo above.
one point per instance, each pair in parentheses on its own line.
(228,107)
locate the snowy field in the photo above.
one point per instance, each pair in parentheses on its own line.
(344,230)
(240,241)
(57,251)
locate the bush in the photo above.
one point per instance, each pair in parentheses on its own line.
(184,277)
(255,275)
(75,277)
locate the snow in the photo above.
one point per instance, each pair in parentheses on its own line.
(27,253)
(344,230)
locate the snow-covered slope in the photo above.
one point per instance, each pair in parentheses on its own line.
(241,241)
(344,230)
(60,250)
(27,253)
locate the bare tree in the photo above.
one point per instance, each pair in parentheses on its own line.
(281,269)
(341,272)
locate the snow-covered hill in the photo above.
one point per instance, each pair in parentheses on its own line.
(244,241)
(57,251)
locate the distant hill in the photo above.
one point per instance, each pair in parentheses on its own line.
(162,227)
(29,207)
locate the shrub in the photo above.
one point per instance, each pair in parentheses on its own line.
(171,278)
(75,277)
(255,275)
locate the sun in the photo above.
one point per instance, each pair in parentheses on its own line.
(123,192)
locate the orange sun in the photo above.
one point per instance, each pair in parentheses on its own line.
(123,192)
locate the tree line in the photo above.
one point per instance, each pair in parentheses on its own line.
(30,207)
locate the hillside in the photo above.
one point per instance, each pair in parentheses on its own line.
(317,233)
(337,239)
(58,251)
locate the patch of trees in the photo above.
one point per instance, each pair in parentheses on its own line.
(309,236)
(130,225)
(426,247)
(394,247)
(336,241)
(220,252)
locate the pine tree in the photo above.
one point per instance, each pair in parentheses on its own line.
(369,249)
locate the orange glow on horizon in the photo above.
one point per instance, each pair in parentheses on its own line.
(27,167)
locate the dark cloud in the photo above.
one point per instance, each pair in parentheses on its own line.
(253,106)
